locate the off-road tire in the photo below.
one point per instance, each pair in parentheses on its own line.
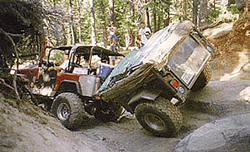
(112,114)
(203,79)
(163,111)
(69,109)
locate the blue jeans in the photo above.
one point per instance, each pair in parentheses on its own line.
(114,37)
(142,44)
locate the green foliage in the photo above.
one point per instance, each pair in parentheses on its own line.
(233,9)
(180,12)
(127,16)
(100,18)
(21,22)
(212,14)
(57,56)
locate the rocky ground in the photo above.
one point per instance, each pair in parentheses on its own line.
(218,114)
(208,115)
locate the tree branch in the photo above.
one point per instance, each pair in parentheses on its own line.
(16,35)
(17,64)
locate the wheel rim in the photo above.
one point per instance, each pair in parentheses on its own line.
(63,111)
(155,122)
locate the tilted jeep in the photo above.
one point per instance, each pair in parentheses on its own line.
(153,81)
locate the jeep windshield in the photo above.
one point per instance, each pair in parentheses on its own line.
(55,55)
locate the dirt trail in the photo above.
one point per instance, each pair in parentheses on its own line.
(218,100)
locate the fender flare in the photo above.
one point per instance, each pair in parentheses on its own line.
(68,83)
(144,94)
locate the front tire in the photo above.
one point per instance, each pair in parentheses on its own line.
(69,109)
(161,118)
(203,79)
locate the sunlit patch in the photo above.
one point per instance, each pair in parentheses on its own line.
(245,95)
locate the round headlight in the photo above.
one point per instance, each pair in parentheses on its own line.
(181,89)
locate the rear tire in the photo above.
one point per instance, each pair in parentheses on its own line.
(203,79)
(69,109)
(161,118)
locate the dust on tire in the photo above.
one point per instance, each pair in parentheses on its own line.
(165,110)
(77,114)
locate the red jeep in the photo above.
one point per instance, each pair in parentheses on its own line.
(66,79)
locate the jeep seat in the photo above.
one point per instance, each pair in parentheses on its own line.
(104,69)
(80,70)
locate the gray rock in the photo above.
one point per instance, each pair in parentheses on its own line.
(228,134)
(220,99)
(219,31)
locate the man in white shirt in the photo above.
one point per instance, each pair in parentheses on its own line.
(142,33)
(112,34)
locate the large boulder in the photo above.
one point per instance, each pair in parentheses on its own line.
(219,31)
(229,134)
(220,99)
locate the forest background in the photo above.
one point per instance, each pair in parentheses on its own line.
(32,24)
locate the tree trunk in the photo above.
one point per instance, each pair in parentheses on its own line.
(72,23)
(159,22)
(56,26)
(93,37)
(185,8)
(166,15)
(195,10)
(148,17)
(79,21)
(214,5)
(64,39)
(104,26)
(203,15)
(155,18)
(111,10)
(69,35)
(129,39)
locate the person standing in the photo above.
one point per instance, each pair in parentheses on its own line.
(112,34)
(113,40)
(144,33)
